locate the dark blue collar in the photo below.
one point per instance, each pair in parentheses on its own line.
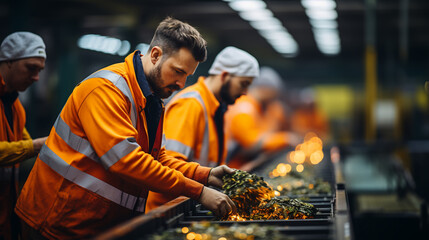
(141,77)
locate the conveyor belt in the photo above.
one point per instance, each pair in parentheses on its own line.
(331,222)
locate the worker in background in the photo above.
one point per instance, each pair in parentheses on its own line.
(22,57)
(249,131)
(105,151)
(194,118)
(307,117)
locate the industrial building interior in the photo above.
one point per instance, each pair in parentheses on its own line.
(371,80)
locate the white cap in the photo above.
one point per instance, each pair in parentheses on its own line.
(22,45)
(268,77)
(235,61)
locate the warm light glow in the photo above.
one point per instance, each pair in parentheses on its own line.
(235,217)
(198,237)
(292,156)
(316,140)
(316,157)
(190,236)
(279,187)
(276,193)
(288,168)
(299,168)
(281,169)
(275,173)
(309,136)
(299,157)
(222,238)
(185,230)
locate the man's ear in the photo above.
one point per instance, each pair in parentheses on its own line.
(223,76)
(155,54)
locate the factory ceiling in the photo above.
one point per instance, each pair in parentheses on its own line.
(399,28)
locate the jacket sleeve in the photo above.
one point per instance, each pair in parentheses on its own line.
(191,170)
(184,128)
(105,120)
(17,151)
(245,123)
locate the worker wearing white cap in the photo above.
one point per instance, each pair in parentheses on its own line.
(22,57)
(250,115)
(193,124)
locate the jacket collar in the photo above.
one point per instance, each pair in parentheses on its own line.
(140,76)
(212,102)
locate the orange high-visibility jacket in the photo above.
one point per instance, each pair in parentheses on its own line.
(190,131)
(245,128)
(95,170)
(15,146)
(310,120)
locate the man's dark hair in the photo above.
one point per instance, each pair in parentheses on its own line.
(172,34)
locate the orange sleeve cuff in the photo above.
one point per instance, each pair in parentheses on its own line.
(202,174)
(193,189)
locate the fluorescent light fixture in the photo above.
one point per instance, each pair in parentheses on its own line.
(330,52)
(321,14)
(325,24)
(143,47)
(257,15)
(104,44)
(247,5)
(269,27)
(319,4)
(325,31)
(275,34)
(268,24)
(124,49)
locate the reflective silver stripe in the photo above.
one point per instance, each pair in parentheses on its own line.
(179,147)
(204,154)
(74,141)
(163,141)
(83,146)
(120,83)
(90,182)
(118,151)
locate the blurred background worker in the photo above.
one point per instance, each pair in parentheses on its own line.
(105,151)
(22,57)
(250,130)
(194,120)
(307,117)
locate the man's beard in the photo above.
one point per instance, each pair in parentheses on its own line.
(155,82)
(224,93)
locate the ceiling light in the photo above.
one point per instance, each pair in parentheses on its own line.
(143,47)
(104,44)
(321,14)
(318,4)
(124,49)
(268,24)
(325,24)
(247,5)
(256,15)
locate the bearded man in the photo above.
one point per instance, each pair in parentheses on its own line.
(194,119)
(105,151)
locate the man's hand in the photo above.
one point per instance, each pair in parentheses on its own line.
(216,174)
(38,143)
(217,202)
